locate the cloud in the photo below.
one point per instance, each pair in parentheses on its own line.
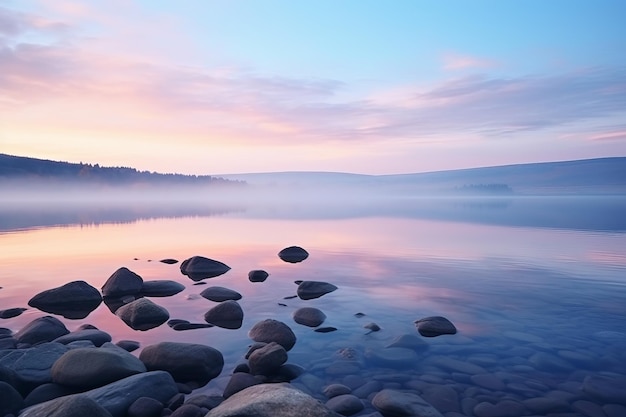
(454,62)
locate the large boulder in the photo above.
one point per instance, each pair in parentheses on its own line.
(308,290)
(227,314)
(434,326)
(220,294)
(42,329)
(142,314)
(270,330)
(161,288)
(186,362)
(398,403)
(122,282)
(271,400)
(293,254)
(74,300)
(32,366)
(309,316)
(198,268)
(70,406)
(90,368)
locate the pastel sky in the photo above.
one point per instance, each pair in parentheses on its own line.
(217,87)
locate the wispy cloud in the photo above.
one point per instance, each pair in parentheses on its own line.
(455,61)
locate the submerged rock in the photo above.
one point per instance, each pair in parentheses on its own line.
(409,341)
(309,316)
(397,403)
(372,327)
(69,406)
(257,275)
(227,314)
(270,330)
(198,268)
(74,300)
(122,282)
(434,326)
(142,314)
(293,254)
(267,359)
(308,290)
(11,312)
(220,294)
(161,288)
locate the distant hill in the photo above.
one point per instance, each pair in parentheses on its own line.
(42,170)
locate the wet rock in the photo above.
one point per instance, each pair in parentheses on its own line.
(114,303)
(191,326)
(95,336)
(443,397)
(188,410)
(396,403)
(161,288)
(205,401)
(288,372)
(47,392)
(504,408)
(549,362)
(198,268)
(397,358)
(145,407)
(257,275)
(372,327)
(488,381)
(227,314)
(10,400)
(270,330)
(545,405)
(346,404)
(309,316)
(74,300)
(434,326)
(220,294)
(128,345)
(32,365)
(327,329)
(169,261)
(122,282)
(142,314)
(71,406)
(334,390)
(293,254)
(43,329)
(254,347)
(271,400)
(409,341)
(343,368)
(238,382)
(455,365)
(11,312)
(605,389)
(186,362)
(308,290)
(267,359)
(365,390)
(8,343)
(91,368)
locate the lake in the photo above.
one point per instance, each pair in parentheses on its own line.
(536,288)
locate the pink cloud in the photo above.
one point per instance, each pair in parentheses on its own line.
(453,61)
(612,136)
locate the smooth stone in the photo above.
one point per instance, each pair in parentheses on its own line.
(142,314)
(367,389)
(253,347)
(270,330)
(11,401)
(128,345)
(42,329)
(488,381)
(198,268)
(327,329)
(309,290)
(47,392)
(257,275)
(346,404)
(205,401)
(545,405)
(267,359)
(227,314)
(434,326)
(95,336)
(91,368)
(32,365)
(74,300)
(392,357)
(409,341)
(397,403)
(118,396)
(309,316)
(188,410)
(238,382)
(605,388)
(191,326)
(161,288)
(271,400)
(334,390)
(169,261)
(8,343)
(71,406)
(343,368)
(456,365)
(293,254)
(220,294)
(505,408)
(145,407)
(443,397)
(122,282)
(548,362)
(186,362)
(11,312)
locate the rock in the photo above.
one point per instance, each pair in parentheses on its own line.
(409,341)
(128,345)
(145,407)
(43,329)
(10,400)
(397,358)
(198,268)
(8,343)
(142,314)
(95,336)
(334,390)
(186,362)
(325,329)
(397,403)
(373,327)
(257,275)
(238,382)
(489,381)
(169,261)
(308,290)
(293,254)
(270,330)
(70,406)
(545,405)
(90,368)
(161,288)
(74,300)
(271,400)
(605,389)
(434,326)
(309,316)
(455,365)
(346,404)
(365,390)
(548,362)
(32,365)
(205,401)
(504,408)
(122,282)
(188,410)
(47,392)
(227,314)
(267,360)
(191,326)
(117,397)
(220,294)
(443,397)
(288,372)
(11,312)
(614,410)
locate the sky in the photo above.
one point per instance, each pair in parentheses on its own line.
(362,86)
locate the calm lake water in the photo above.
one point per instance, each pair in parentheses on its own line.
(535,287)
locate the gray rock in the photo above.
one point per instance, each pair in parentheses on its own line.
(43,329)
(309,316)
(169,261)
(122,282)
(142,314)
(257,275)
(220,294)
(73,300)
(128,345)
(398,358)
(606,389)
(198,268)
(188,410)
(70,406)
(409,341)
(443,397)
(346,404)
(117,397)
(95,336)
(47,392)
(270,330)
(455,365)
(308,290)
(32,365)
(227,314)
(434,326)
(10,400)
(397,403)
(11,312)
(268,359)
(89,368)
(186,362)
(145,407)
(271,400)
(293,254)
(238,382)
(368,388)
(334,390)
(504,408)
(161,288)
